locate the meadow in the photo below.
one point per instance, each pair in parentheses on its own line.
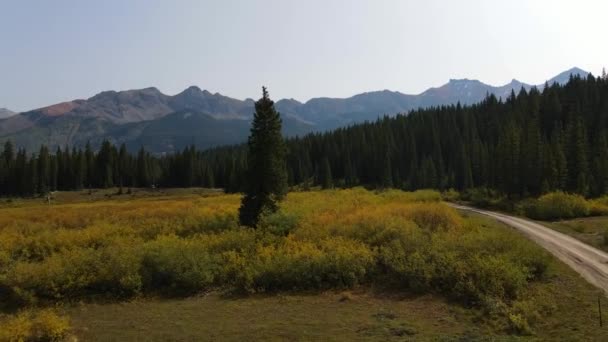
(87,255)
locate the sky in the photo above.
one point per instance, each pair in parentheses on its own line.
(54,51)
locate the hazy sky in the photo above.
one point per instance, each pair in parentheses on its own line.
(52,51)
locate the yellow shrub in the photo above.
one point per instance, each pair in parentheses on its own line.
(557,205)
(43,325)
(434,216)
(333,262)
(318,240)
(599,207)
(17,328)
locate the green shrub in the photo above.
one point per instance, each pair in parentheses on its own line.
(450,195)
(177,267)
(519,325)
(218,223)
(424,195)
(557,205)
(111,271)
(410,269)
(485,198)
(278,223)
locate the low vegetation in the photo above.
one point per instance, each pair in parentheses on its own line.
(41,325)
(325,240)
(550,206)
(556,205)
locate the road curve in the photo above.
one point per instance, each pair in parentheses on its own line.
(589,262)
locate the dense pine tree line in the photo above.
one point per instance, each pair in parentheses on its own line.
(530,143)
(23,174)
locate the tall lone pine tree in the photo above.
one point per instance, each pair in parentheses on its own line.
(266,175)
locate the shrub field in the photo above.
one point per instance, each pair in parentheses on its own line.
(324,240)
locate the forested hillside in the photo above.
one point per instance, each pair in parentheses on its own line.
(533,142)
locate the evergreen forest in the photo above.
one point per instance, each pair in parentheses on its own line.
(528,144)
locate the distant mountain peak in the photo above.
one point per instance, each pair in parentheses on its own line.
(576,70)
(5,113)
(463,80)
(149,90)
(192,89)
(564,77)
(104,93)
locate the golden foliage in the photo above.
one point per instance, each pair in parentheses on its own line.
(318,240)
(41,325)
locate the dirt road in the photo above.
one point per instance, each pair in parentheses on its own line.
(589,262)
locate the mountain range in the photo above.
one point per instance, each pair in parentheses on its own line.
(164,124)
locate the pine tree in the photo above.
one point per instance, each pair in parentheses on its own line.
(143,170)
(325,175)
(578,166)
(266,178)
(209,178)
(601,164)
(105,165)
(428,174)
(80,168)
(24,174)
(9,159)
(123,166)
(350,172)
(90,166)
(386,180)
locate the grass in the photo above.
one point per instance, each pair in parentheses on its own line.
(325,316)
(342,264)
(358,315)
(106,195)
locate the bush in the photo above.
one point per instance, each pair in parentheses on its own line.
(298,265)
(450,195)
(318,240)
(434,216)
(278,223)
(425,195)
(111,271)
(177,267)
(44,325)
(557,205)
(599,206)
(486,198)
(519,324)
